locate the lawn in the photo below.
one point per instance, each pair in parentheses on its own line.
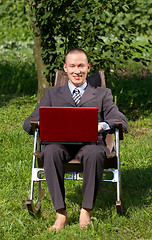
(18,81)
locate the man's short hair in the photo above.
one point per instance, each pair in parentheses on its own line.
(76,50)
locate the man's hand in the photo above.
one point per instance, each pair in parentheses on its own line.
(99,128)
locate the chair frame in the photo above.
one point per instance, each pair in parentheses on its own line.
(74,168)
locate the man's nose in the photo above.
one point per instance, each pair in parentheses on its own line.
(76,70)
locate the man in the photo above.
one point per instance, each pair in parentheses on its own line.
(91,156)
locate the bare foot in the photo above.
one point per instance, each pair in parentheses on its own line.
(61,220)
(85,217)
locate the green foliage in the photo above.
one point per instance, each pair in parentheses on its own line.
(132,94)
(105,29)
(15,12)
(15,18)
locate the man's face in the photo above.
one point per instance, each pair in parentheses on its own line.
(76,67)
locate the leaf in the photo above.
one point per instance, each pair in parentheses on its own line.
(138,50)
(144,63)
(39,5)
(136,59)
(149,41)
(47,14)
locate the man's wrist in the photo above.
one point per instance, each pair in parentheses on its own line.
(105,126)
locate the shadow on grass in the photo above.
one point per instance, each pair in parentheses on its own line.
(17,80)
(136,191)
(137,186)
(132,94)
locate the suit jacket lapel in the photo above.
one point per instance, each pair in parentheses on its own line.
(88,95)
(66,95)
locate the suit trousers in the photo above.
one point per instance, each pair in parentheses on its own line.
(91,156)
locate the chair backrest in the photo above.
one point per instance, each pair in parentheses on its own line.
(95,80)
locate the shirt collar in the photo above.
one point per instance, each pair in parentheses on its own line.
(80,88)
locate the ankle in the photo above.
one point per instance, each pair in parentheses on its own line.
(86,211)
(61,211)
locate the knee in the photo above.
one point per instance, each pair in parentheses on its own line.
(55,153)
(94,151)
(51,152)
(92,158)
(92,155)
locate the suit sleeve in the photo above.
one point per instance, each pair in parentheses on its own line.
(111,112)
(46,101)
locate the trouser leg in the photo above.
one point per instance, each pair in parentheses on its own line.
(55,155)
(92,157)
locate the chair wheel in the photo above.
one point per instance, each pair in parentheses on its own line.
(119,207)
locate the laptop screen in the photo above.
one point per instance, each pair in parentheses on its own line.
(68,124)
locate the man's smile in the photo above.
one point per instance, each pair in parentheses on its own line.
(77,77)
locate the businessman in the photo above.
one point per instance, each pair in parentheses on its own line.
(77,93)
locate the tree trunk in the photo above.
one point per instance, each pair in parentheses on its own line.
(42,81)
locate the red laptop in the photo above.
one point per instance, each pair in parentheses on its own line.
(68,124)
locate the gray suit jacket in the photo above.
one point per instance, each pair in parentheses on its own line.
(60,96)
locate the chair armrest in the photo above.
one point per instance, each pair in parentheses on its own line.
(118,125)
(34,125)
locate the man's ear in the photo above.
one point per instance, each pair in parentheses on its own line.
(64,67)
(89,66)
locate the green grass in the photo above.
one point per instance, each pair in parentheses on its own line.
(18,83)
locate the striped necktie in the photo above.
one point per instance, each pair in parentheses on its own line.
(76,96)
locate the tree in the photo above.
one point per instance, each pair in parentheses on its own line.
(105,29)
